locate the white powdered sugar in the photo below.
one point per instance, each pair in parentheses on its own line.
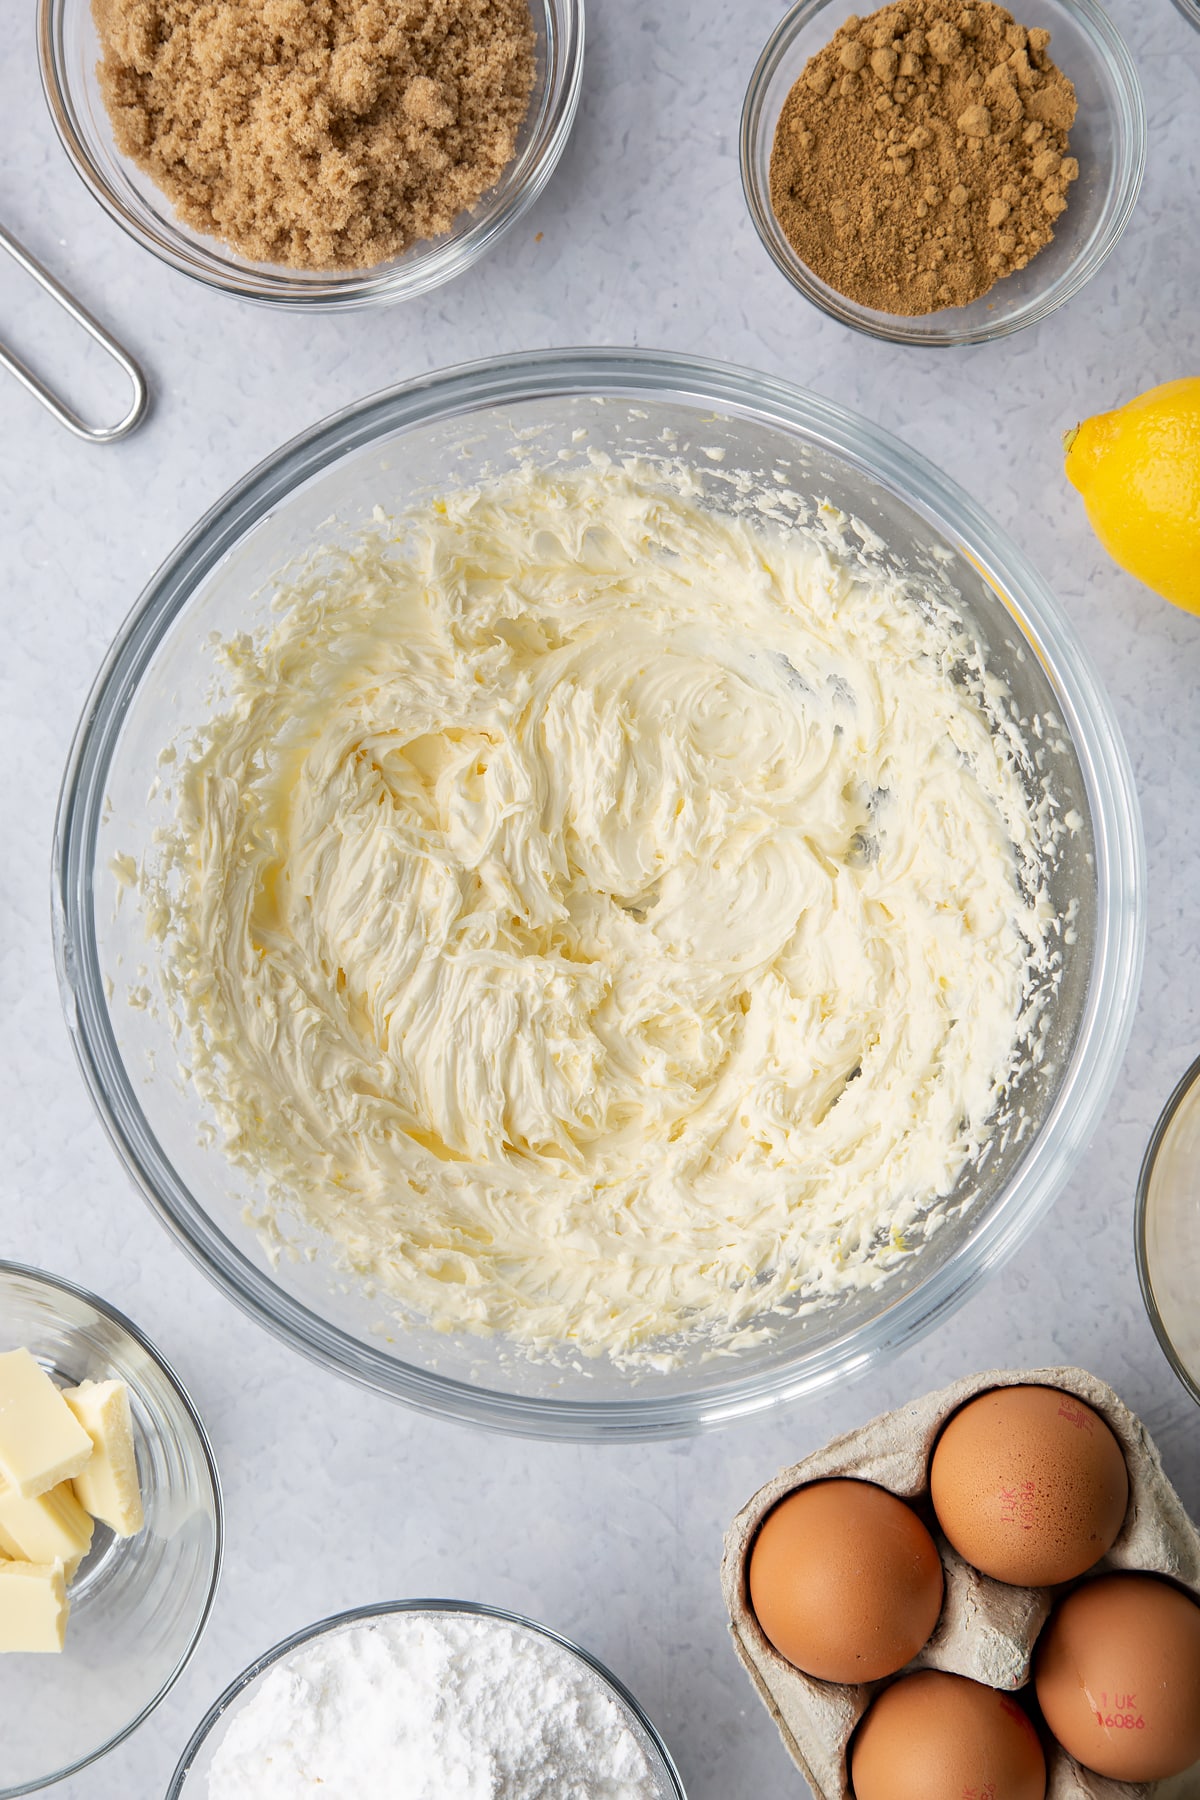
(432,1707)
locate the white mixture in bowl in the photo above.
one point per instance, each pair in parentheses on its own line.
(602,917)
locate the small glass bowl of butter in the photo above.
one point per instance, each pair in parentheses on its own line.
(138,1603)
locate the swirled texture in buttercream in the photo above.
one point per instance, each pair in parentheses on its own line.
(601,917)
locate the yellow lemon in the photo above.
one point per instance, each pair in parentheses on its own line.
(1138,469)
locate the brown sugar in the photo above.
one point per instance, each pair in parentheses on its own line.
(922,154)
(320,134)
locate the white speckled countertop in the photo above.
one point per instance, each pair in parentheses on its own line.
(334,1497)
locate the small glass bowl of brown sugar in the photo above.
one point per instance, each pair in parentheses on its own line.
(1107,152)
(426,239)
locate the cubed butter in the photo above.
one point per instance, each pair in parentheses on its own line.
(108,1483)
(33,1606)
(51,1528)
(41,1440)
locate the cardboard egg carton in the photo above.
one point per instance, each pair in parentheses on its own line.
(987,1630)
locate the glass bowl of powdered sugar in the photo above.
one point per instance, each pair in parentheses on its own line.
(426,1698)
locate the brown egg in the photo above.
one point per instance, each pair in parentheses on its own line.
(845,1581)
(1029,1485)
(933,1736)
(1117,1672)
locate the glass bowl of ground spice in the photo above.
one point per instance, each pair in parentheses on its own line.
(939,173)
(321,157)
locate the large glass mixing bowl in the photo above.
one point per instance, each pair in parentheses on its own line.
(440,432)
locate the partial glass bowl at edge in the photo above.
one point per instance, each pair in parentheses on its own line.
(69,48)
(1108,137)
(190,1776)
(417,441)
(1168,1230)
(138,1604)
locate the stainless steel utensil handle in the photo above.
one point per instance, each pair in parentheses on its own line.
(92,434)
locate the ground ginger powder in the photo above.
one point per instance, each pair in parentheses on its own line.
(922,154)
(322,134)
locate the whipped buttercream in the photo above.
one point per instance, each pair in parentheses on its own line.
(603,917)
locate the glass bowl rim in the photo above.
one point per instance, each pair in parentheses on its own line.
(617,374)
(389,1609)
(440,261)
(897,328)
(1188,1080)
(58,1284)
